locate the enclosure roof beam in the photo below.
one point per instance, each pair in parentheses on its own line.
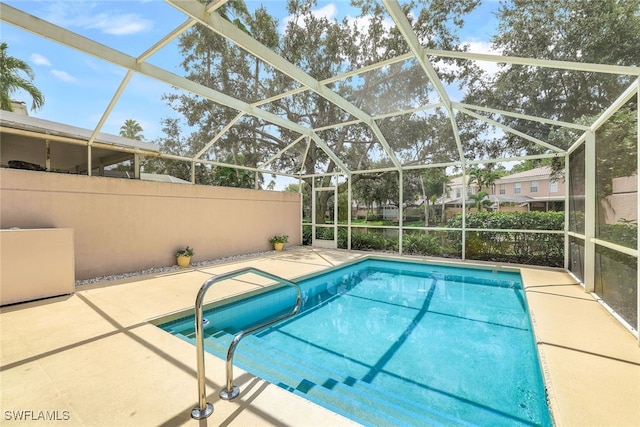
(517,158)
(281,152)
(306,153)
(381,116)
(167,39)
(510,130)
(405,28)
(229,31)
(632,90)
(218,136)
(629,93)
(330,153)
(215,5)
(157,46)
(60,35)
(109,108)
(459,105)
(336,78)
(533,62)
(409,111)
(362,70)
(337,125)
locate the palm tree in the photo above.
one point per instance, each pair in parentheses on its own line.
(11,80)
(433,184)
(477,175)
(131,129)
(236,12)
(490,177)
(480,200)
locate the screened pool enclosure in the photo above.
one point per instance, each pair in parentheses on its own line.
(374,114)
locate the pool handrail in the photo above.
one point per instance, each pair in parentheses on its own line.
(204,408)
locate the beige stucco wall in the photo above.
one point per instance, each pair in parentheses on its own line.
(35,263)
(623,203)
(123,225)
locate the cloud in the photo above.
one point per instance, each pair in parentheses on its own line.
(64,76)
(475,46)
(479,46)
(40,60)
(329,11)
(85,15)
(119,25)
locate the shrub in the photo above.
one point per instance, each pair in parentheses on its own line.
(372,239)
(422,244)
(512,246)
(624,234)
(306,234)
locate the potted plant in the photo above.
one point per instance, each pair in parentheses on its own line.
(183,256)
(278,242)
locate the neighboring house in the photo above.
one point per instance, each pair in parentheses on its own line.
(32,143)
(533,190)
(543,192)
(529,190)
(457,189)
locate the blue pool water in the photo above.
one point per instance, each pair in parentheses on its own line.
(394,343)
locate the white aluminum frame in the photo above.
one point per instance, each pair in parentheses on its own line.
(196,12)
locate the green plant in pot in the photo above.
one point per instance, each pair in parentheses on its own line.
(279,241)
(183,256)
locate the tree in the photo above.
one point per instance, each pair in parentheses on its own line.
(603,31)
(233,177)
(480,200)
(11,80)
(616,148)
(476,175)
(322,48)
(385,89)
(131,129)
(530,164)
(210,60)
(433,184)
(172,142)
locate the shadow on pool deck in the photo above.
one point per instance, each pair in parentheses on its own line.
(94,358)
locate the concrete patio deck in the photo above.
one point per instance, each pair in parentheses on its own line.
(94,358)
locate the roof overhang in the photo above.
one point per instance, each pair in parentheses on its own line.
(32,126)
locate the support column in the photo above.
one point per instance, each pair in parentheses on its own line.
(349,216)
(400,208)
(589,210)
(464,212)
(89,166)
(567,189)
(136,166)
(638,208)
(47,160)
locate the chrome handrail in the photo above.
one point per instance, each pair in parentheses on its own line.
(204,408)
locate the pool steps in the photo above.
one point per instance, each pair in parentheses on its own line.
(312,381)
(406,412)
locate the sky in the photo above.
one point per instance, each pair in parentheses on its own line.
(78,87)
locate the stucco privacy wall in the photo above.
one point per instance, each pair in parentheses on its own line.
(123,225)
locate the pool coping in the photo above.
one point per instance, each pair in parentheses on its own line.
(90,353)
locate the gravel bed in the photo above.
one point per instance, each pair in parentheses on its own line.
(170,268)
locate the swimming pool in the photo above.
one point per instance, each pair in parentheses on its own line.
(394,343)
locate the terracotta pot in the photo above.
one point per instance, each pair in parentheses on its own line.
(278,246)
(184,261)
